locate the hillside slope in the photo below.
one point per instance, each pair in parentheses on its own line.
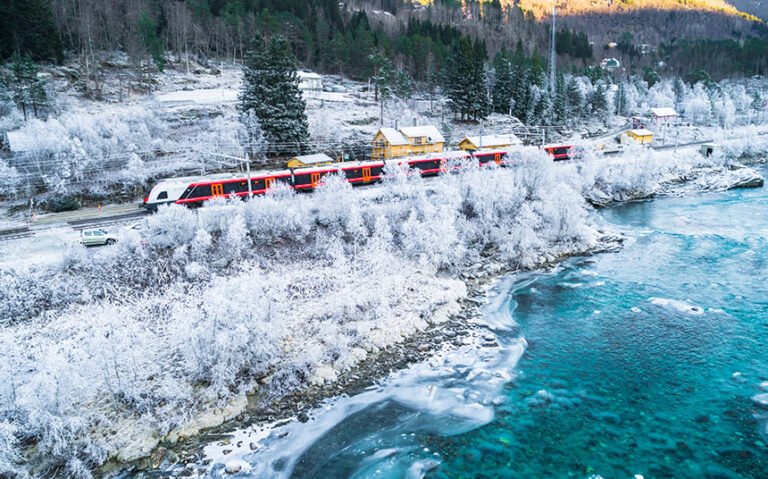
(758,8)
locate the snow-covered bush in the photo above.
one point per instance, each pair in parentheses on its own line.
(203,306)
(89,150)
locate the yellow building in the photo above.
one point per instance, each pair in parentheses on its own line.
(318,159)
(413,140)
(640,136)
(472,143)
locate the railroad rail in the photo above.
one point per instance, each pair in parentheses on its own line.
(15,233)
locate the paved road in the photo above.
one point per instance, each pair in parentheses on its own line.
(109,215)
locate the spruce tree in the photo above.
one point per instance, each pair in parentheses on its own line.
(599,101)
(575,100)
(503,86)
(26,89)
(271,91)
(27,28)
(560,101)
(521,91)
(679,89)
(465,86)
(621,101)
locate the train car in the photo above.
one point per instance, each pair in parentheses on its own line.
(362,172)
(168,191)
(560,152)
(195,190)
(307,179)
(485,158)
(427,166)
(215,186)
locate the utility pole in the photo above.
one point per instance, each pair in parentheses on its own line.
(553,56)
(247,169)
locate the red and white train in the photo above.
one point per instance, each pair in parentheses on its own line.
(195,190)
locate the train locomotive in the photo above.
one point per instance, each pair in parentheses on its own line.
(193,191)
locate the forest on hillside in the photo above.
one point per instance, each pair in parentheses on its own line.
(352,37)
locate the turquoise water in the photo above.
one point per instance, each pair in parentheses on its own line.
(641,362)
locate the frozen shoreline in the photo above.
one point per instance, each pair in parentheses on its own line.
(265,438)
(502,227)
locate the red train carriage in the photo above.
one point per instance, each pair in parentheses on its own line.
(194,191)
(559,152)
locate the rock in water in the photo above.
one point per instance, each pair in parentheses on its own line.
(237,466)
(761,400)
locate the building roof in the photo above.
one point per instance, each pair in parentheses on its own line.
(393,136)
(430,131)
(314,159)
(18,141)
(492,141)
(663,112)
(304,75)
(641,132)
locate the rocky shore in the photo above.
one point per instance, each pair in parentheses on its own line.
(182,456)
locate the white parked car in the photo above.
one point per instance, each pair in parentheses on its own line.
(96,237)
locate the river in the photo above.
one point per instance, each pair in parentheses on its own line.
(645,362)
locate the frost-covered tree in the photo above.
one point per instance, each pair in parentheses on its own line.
(503,85)
(697,104)
(560,101)
(599,101)
(271,91)
(252,136)
(621,101)
(404,85)
(575,99)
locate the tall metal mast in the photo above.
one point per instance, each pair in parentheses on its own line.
(553,56)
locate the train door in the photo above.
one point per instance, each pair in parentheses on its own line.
(315,179)
(366,175)
(497,158)
(217,190)
(268,183)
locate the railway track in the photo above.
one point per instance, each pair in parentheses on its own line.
(15,233)
(79,225)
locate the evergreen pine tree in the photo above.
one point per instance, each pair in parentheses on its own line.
(560,101)
(271,91)
(26,90)
(599,101)
(679,89)
(27,28)
(543,113)
(575,100)
(404,85)
(502,87)
(467,94)
(521,91)
(150,40)
(622,108)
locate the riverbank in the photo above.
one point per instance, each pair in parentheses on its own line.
(459,332)
(208,316)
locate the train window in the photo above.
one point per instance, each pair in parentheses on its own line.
(201,191)
(235,187)
(163,195)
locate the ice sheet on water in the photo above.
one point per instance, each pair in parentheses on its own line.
(452,393)
(677,305)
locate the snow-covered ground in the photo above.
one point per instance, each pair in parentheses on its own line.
(119,142)
(167,332)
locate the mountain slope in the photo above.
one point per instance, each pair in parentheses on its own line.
(758,8)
